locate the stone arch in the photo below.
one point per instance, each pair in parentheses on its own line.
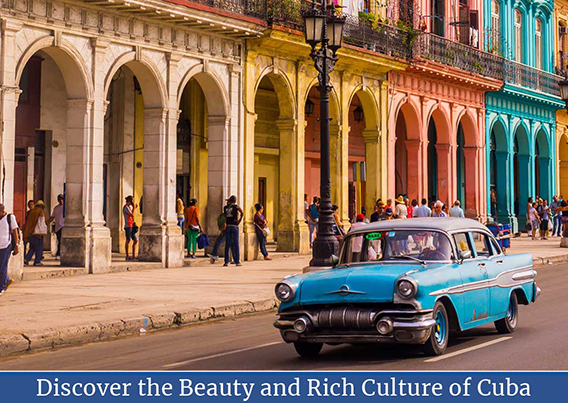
(543,164)
(468,158)
(470,128)
(334,104)
(211,86)
(523,183)
(284,91)
(499,172)
(498,126)
(73,67)
(150,79)
(443,128)
(370,104)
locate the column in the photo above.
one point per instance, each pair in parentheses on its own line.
(288,184)
(250,240)
(339,149)
(160,238)
(414,171)
(445,172)
(472,192)
(373,161)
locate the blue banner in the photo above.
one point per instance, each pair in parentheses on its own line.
(253,387)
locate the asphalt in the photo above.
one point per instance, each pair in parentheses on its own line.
(249,342)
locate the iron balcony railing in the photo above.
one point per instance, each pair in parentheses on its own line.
(250,8)
(529,77)
(463,57)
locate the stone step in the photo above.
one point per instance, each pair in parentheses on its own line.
(43,272)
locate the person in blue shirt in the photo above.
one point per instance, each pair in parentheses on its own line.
(313,218)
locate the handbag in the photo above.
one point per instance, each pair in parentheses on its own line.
(192,227)
(41,226)
(265,231)
(135,228)
(203,241)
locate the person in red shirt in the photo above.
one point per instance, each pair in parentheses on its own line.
(129,226)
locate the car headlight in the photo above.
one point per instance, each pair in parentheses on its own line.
(284,292)
(406,287)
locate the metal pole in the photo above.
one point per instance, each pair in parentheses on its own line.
(325,244)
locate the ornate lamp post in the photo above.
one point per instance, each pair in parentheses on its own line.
(324,27)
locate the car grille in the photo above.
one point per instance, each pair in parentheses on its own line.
(345,318)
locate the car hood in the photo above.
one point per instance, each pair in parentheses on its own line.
(353,284)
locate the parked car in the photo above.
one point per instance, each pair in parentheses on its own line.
(407,281)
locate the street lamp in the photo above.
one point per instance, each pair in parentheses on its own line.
(564,96)
(317,22)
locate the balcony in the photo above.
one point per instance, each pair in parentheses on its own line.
(249,8)
(529,77)
(455,54)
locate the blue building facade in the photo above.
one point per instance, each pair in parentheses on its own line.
(521,116)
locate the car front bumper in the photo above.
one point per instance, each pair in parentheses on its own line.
(409,329)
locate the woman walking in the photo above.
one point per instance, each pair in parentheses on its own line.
(34,231)
(261,229)
(534,219)
(192,227)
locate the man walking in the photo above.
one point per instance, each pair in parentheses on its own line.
(9,243)
(313,218)
(422,210)
(456,211)
(180,209)
(57,216)
(438,210)
(222,225)
(556,216)
(233,216)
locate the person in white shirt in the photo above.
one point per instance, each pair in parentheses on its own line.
(456,211)
(401,211)
(9,244)
(438,212)
(57,216)
(423,210)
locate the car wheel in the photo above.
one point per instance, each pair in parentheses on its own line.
(440,333)
(509,323)
(308,349)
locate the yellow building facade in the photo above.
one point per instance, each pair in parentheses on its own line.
(281,134)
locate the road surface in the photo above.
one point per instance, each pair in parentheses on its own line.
(251,343)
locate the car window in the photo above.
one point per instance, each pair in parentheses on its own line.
(482,244)
(463,244)
(496,248)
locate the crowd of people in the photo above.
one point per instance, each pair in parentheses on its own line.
(545,219)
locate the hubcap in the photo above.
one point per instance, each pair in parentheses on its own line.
(440,328)
(511,313)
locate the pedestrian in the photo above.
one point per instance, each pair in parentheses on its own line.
(456,210)
(234,215)
(306,209)
(400,209)
(556,215)
(534,219)
(130,227)
(192,227)
(528,225)
(221,224)
(261,229)
(389,214)
(544,214)
(410,206)
(357,243)
(34,231)
(31,206)
(445,209)
(57,216)
(564,208)
(9,244)
(338,228)
(423,210)
(180,211)
(379,213)
(389,204)
(493,195)
(313,218)
(438,210)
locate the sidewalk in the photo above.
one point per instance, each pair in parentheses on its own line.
(39,314)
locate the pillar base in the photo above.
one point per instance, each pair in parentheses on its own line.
(303,239)
(564,242)
(118,240)
(86,247)
(286,241)
(161,244)
(250,244)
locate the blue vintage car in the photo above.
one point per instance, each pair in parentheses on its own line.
(407,281)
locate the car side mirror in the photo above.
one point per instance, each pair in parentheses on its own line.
(334,260)
(464,254)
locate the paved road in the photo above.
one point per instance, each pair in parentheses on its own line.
(251,343)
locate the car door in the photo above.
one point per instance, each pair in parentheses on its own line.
(473,271)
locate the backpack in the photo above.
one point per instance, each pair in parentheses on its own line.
(221,219)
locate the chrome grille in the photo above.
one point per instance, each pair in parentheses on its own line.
(345,318)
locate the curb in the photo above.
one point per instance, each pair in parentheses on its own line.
(11,344)
(546,261)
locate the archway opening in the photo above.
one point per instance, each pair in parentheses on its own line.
(563,161)
(521,174)
(432,161)
(401,156)
(357,170)
(543,167)
(498,173)
(50,125)
(467,165)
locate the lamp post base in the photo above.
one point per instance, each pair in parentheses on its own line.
(325,251)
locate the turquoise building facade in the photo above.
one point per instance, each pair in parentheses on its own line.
(521,116)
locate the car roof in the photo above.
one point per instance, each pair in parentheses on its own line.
(446,224)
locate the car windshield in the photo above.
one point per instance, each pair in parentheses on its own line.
(408,245)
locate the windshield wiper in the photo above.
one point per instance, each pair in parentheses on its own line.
(422,262)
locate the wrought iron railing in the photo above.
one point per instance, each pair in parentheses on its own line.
(251,8)
(529,77)
(463,57)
